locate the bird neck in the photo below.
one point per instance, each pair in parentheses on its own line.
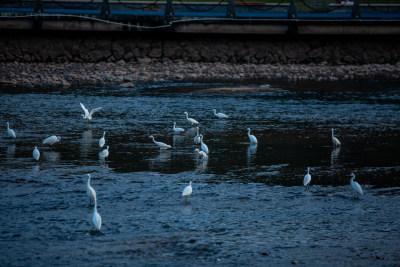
(197,131)
(8,126)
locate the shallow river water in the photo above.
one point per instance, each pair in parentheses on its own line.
(248,206)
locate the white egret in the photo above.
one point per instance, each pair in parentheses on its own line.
(161,145)
(96,217)
(220,115)
(252,138)
(201,154)
(187,191)
(90,191)
(335,141)
(36,153)
(102,140)
(88,115)
(10,131)
(204,147)
(104,154)
(177,129)
(51,140)
(190,120)
(197,137)
(307,178)
(356,186)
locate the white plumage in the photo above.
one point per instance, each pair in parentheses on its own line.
(188,190)
(307,178)
(161,145)
(220,115)
(36,153)
(96,219)
(190,120)
(335,141)
(10,131)
(88,115)
(201,154)
(102,140)
(204,147)
(90,192)
(356,186)
(197,137)
(104,154)
(51,140)
(177,129)
(252,138)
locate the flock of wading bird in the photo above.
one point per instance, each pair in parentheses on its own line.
(202,153)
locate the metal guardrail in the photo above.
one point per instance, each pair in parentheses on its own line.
(169,9)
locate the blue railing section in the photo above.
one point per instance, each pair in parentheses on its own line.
(169,9)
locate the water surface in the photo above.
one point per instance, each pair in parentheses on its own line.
(248,205)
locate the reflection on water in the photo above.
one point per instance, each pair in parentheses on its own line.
(51,156)
(201,165)
(86,144)
(248,205)
(11,151)
(251,153)
(334,156)
(156,163)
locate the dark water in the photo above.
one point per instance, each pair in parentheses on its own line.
(248,205)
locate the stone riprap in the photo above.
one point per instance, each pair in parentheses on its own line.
(65,75)
(236,49)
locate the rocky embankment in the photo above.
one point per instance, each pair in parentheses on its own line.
(66,75)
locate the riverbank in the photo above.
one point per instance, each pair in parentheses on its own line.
(66,75)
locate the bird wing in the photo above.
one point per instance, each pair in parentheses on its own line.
(94,110)
(85,110)
(48,140)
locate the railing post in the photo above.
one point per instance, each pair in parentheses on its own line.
(231,9)
(169,10)
(355,12)
(292,13)
(105,9)
(38,6)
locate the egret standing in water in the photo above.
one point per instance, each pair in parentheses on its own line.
(356,186)
(102,140)
(104,154)
(96,219)
(307,178)
(204,147)
(10,131)
(190,120)
(36,153)
(187,191)
(197,137)
(90,191)
(51,140)
(252,138)
(161,145)
(335,141)
(88,115)
(220,115)
(176,129)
